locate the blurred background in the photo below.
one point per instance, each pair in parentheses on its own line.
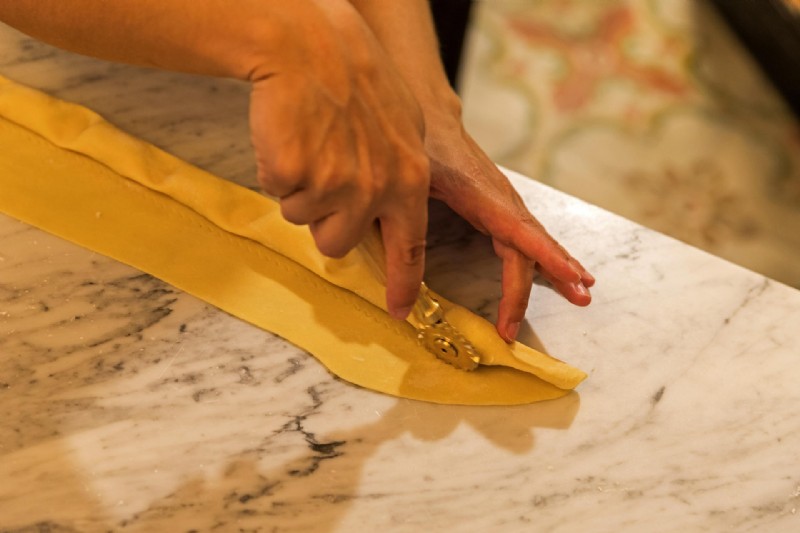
(652,109)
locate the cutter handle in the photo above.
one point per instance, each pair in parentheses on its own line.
(426,309)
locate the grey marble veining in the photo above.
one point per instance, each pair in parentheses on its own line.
(128,405)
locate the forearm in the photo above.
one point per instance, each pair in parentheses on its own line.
(247,39)
(406,31)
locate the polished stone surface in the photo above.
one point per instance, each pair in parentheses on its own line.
(130,406)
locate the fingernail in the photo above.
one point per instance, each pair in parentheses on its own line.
(400,313)
(581,289)
(513,330)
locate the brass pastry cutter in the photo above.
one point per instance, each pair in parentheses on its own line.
(439,337)
(433,331)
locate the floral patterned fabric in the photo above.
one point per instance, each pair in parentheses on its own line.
(651,109)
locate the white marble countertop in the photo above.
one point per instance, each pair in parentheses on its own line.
(130,406)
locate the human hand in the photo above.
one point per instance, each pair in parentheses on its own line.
(464,177)
(340,142)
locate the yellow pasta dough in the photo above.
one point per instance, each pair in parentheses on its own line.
(67,171)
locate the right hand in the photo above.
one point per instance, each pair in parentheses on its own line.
(339,141)
(464,177)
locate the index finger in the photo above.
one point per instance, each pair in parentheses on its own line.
(404,241)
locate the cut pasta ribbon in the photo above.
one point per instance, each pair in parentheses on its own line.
(62,165)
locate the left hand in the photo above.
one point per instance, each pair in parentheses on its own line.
(338,138)
(464,177)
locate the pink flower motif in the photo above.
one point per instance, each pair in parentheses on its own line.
(596,57)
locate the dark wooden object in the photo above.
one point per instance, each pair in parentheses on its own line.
(771,30)
(451,18)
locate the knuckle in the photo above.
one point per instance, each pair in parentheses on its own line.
(287,163)
(336,185)
(293,214)
(281,173)
(416,174)
(527,219)
(412,254)
(331,247)
(269,186)
(376,184)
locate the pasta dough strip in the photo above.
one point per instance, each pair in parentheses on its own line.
(67,171)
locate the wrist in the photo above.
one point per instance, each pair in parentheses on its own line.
(441,108)
(268,42)
(317,40)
